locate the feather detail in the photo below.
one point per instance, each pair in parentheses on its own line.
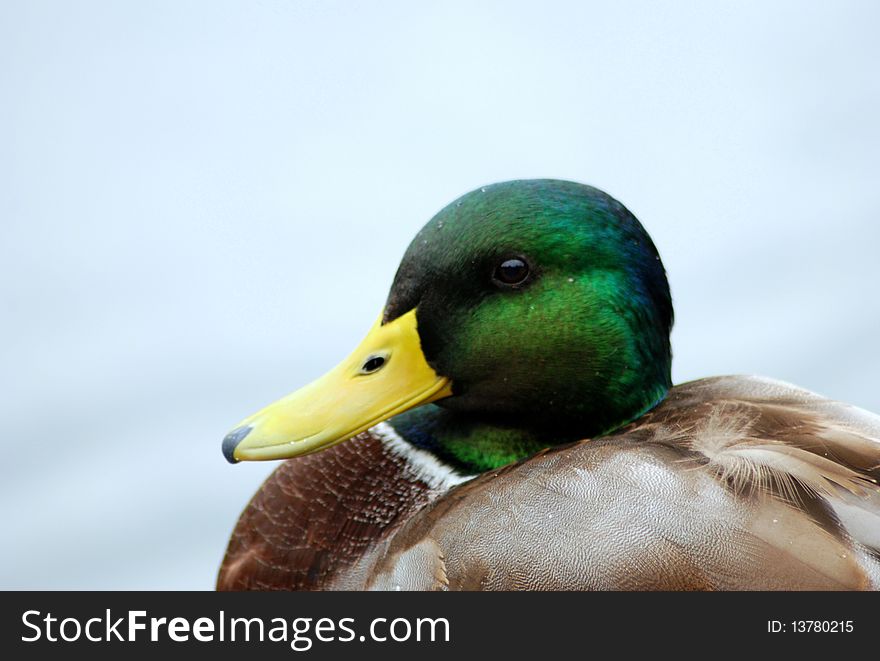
(763,435)
(725,437)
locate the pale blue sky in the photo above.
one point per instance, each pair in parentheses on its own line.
(203,205)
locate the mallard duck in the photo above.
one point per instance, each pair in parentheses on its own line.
(509,422)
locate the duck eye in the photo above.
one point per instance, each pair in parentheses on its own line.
(373,364)
(513,271)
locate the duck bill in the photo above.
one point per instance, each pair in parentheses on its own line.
(387,374)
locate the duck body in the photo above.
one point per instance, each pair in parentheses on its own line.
(732,483)
(509,423)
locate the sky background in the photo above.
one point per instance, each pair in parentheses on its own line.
(202,205)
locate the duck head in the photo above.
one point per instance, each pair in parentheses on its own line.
(533,305)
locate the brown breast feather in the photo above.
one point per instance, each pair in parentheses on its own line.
(316,515)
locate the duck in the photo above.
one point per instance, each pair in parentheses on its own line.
(509,422)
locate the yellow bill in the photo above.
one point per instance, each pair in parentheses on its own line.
(387,374)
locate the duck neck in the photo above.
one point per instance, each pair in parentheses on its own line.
(466,442)
(472,444)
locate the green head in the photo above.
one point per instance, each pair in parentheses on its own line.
(524,314)
(546,304)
